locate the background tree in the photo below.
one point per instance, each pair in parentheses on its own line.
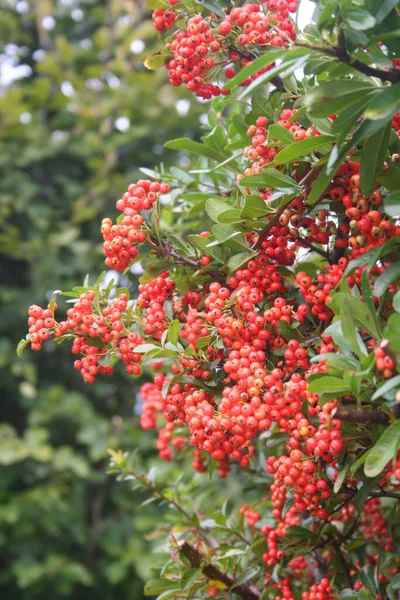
(74,129)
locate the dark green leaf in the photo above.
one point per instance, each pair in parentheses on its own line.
(389,275)
(385,104)
(195,148)
(383,451)
(302,148)
(334,96)
(392,203)
(386,387)
(372,158)
(327,383)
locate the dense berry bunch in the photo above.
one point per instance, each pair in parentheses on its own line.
(211,50)
(121,239)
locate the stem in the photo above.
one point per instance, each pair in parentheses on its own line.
(358,415)
(195,558)
(271,223)
(314,248)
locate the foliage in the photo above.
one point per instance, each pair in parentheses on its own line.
(268,307)
(66,530)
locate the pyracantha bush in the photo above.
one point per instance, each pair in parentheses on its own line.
(268,311)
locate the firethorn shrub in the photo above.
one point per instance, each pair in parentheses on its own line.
(267,317)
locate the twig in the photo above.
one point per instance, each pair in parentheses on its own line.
(271,223)
(358,415)
(196,560)
(314,248)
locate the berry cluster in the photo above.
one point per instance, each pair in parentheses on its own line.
(120,239)
(210,46)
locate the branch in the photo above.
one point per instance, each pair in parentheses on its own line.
(358,415)
(195,558)
(314,248)
(392,75)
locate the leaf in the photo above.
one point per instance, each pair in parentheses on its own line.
(215,207)
(349,327)
(334,96)
(362,495)
(392,204)
(22,345)
(359,20)
(204,245)
(269,178)
(301,533)
(143,348)
(385,104)
(245,576)
(341,478)
(383,451)
(277,132)
(195,148)
(386,278)
(254,207)
(372,158)
(232,215)
(156,61)
(288,331)
(392,332)
(396,302)
(173,332)
(327,383)
(367,578)
(298,149)
(386,387)
(157,586)
(319,187)
(238,260)
(262,61)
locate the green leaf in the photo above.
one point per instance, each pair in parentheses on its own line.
(238,260)
(156,61)
(392,332)
(215,207)
(364,491)
(269,178)
(341,478)
(22,345)
(367,578)
(349,327)
(173,332)
(262,61)
(157,586)
(301,533)
(327,383)
(204,245)
(143,348)
(277,132)
(254,207)
(195,148)
(232,215)
(319,187)
(288,331)
(388,276)
(334,96)
(383,451)
(396,302)
(386,387)
(372,158)
(392,203)
(385,104)
(298,149)
(245,576)
(359,20)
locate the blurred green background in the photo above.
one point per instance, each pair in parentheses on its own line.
(79,115)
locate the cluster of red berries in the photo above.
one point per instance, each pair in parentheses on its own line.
(152,297)
(40,324)
(319,591)
(384,363)
(209,45)
(120,239)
